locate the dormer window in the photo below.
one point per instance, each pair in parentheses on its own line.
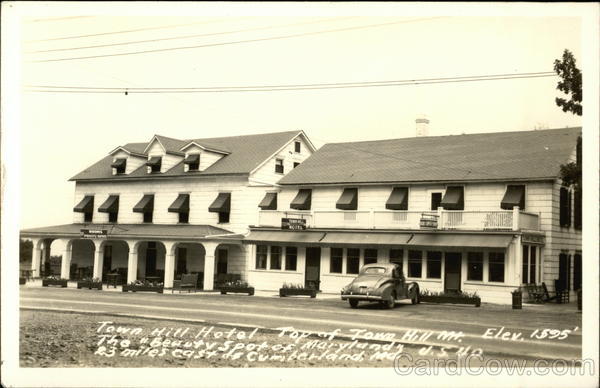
(119,165)
(192,161)
(154,164)
(279,166)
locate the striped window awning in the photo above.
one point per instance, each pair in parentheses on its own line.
(86,205)
(145,205)
(398,199)
(302,200)
(181,204)
(514,196)
(454,198)
(348,200)
(269,202)
(111,205)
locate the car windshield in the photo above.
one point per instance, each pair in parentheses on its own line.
(374,271)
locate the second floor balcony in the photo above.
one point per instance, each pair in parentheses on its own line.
(478,220)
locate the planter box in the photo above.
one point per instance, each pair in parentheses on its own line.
(54,282)
(131,288)
(89,285)
(22,281)
(450,299)
(237,290)
(298,291)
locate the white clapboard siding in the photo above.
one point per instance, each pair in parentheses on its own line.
(266,173)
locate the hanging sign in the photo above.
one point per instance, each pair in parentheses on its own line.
(94,233)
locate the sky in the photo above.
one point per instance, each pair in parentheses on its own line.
(61,134)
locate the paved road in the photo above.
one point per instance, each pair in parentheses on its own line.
(407,322)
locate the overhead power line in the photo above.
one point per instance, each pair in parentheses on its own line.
(285,87)
(126,31)
(237,42)
(188,36)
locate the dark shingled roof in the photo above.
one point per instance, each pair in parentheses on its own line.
(245,153)
(129,230)
(474,157)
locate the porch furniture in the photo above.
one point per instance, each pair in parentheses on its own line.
(84,272)
(535,293)
(188,282)
(200,282)
(112,279)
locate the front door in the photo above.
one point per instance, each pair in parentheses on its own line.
(107,261)
(452,272)
(181,267)
(313,268)
(221,261)
(151,259)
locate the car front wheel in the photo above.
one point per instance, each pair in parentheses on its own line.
(353,303)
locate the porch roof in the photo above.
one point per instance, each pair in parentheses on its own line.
(461,240)
(136,231)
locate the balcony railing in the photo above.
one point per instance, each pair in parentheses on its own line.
(409,220)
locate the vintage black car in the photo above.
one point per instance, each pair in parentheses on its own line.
(384,283)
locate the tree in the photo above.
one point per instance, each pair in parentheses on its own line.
(570,83)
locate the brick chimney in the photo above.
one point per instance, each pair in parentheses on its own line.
(422,126)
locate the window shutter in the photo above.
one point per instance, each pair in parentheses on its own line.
(564,207)
(577,209)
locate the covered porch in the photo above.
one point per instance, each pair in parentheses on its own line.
(120,254)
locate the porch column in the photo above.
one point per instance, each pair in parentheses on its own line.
(132,261)
(65,264)
(515,266)
(98,260)
(209,265)
(169,264)
(36,258)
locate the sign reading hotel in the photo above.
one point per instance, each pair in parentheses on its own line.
(533,239)
(94,233)
(429,221)
(293,223)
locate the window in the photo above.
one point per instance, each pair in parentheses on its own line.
(370,256)
(335,260)
(496,267)
(296,164)
(353,260)
(297,147)
(398,199)
(112,217)
(302,201)
(565,207)
(415,264)
(275,257)
(192,161)
(154,164)
(221,205)
(86,206)
(269,202)
(564,272)
(348,200)
(88,216)
(291,258)
(110,206)
(434,265)
(184,217)
(529,274)
(119,165)
(279,166)
(475,266)
(396,256)
(532,265)
(436,200)
(181,206)
(514,196)
(261,256)
(148,217)
(453,198)
(223,217)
